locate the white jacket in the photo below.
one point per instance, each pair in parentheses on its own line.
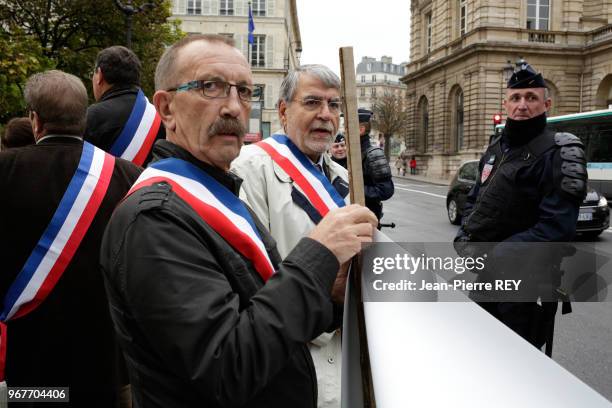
(267,190)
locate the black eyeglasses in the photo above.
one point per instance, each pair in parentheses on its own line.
(312,103)
(221,89)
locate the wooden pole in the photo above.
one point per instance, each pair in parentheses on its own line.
(357,195)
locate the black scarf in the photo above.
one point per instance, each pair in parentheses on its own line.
(521,132)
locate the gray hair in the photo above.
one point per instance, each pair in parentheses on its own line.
(59,99)
(321,72)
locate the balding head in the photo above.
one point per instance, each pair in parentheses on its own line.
(169,68)
(58,101)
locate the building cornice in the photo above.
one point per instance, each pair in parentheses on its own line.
(493,47)
(296,24)
(593,41)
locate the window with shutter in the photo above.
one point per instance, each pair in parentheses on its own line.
(271,8)
(269,63)
(206,7)
(239,7)
(180,7)
(269,97)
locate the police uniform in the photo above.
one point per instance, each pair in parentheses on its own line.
(531,184)
(378,184)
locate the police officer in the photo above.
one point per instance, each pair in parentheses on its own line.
(531,184)
(376,171)
(338,150)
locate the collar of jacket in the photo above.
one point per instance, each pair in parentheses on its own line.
(61,139)
(164,149)
(365,143)
(520,132)
(119,90)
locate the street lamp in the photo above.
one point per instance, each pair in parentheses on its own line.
(129,12)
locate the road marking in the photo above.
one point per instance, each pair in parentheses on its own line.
(422,192)
(609,230)
(418,185)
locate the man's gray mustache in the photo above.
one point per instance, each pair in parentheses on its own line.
(226,126)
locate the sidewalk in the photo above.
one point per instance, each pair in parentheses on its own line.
(424,179)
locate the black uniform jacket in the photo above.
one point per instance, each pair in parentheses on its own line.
(106,119)
(69,339)
(197,323)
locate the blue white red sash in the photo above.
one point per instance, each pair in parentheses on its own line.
(320,192)
(137,137)
(60,240)
(217,206)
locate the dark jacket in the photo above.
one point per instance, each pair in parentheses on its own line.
(522,199)
(106,119)
(69,339)
(197,323)
(377,176)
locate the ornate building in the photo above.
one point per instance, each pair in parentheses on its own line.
(276,48)
(463,51)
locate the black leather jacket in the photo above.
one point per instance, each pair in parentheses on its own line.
(377,177)
(198,326)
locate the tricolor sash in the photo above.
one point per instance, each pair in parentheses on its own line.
(137,137)
(60,240)
(317,188)
(215,204)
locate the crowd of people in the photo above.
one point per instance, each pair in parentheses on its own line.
(151,260)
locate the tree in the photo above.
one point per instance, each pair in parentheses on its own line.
(21,57)
(390,117)
(70,33)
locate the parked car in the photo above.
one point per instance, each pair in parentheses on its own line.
(593,219)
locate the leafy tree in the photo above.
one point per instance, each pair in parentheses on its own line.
(21,57)
(390,117)
(69,33)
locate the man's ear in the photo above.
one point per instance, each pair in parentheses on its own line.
(548,104)
(163,101)
(282,114)
(100,79)
(37,125)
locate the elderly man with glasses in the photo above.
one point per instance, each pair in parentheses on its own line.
(206,313)
(291,182)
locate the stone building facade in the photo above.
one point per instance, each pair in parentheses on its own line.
(462,53)
(276,49)
(375,78)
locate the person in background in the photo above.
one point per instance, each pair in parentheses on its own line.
(398,164)
(377,176)
(413,165)
(17,133)
(338,150)
(62,192)
(288,175)
(122,122)
(532,181)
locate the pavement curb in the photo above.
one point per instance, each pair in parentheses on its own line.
(423,179)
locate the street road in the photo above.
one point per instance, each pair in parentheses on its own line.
(583,339)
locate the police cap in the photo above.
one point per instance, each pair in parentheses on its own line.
(525,77)
(364,115)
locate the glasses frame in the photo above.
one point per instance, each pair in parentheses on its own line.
(199,84)
(320,101)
